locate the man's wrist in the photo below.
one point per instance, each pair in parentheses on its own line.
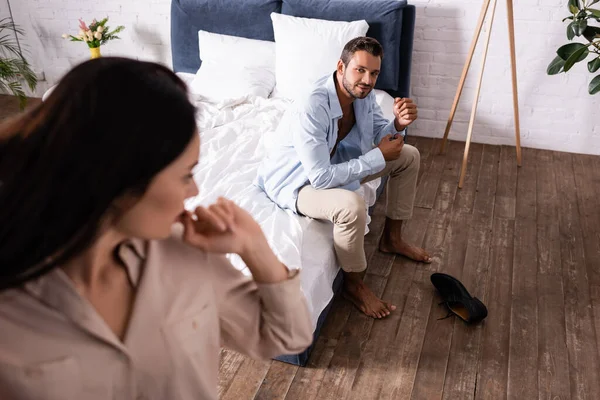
(398,127)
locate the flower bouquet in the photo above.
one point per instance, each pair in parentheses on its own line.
(95,35)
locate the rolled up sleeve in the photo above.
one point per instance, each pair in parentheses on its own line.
(260,320)
(310,141)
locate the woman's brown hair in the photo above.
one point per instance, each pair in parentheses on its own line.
(106,130)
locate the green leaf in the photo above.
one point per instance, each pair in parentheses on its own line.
(16,89)
(565,51)
(579,26)
(573,6)
(594,86)
(594,65)
(593,2)
(590,32)
(14,69)
(564,19)
(570,31)
(7,23)
(556,66)
(575,57)
(594,12)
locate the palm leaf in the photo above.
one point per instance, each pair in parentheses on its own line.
(3,86)
(8,45)
(7,70)
(7,23)
(14,68)
(25,71)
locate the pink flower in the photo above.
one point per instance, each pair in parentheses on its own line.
(82,25)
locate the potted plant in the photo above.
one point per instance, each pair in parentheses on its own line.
(14,68)
(582,18)
(95,35)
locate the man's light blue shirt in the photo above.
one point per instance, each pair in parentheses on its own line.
(300,151)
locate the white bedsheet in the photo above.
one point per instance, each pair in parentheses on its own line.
(232,134)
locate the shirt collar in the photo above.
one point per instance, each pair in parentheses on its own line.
(56,290)
(133,253)
(334,100)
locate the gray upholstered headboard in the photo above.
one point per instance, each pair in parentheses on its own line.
(391,22)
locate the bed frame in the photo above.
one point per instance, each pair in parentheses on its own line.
(189,16)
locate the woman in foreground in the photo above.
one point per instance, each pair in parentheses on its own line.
(108,287)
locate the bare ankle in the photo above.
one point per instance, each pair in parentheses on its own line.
(353,279)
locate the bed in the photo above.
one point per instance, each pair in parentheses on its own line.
(238,110)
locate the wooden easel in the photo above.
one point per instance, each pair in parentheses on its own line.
(511,33)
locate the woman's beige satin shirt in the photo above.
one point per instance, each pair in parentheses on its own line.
(54,345)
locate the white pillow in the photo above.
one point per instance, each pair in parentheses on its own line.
(238,50)
(217,82)
(233,67)
(386,102)
(307,49)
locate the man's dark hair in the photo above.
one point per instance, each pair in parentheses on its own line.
(361,43)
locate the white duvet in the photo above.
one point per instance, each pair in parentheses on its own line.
(233,133)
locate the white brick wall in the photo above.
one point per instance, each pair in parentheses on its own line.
(556,111)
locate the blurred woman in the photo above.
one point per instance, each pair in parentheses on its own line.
(101,294)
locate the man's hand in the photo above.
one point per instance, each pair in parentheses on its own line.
(405,112)
(391,146)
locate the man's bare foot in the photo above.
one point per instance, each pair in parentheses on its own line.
(364,299)
(386,245)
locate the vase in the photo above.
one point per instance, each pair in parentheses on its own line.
(95,52)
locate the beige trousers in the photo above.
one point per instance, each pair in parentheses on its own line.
(347,210)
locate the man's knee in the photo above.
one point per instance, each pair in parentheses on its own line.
(409,161)
(351,208)
(412,155)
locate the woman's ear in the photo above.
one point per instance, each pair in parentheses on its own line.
(121,205)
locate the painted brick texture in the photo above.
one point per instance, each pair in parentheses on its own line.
(556,111)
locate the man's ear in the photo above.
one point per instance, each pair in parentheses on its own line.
(340,67)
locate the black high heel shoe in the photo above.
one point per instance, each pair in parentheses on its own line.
(457,298)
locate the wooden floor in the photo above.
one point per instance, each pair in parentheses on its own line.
(525,241)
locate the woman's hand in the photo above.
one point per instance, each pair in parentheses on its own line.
(224,227)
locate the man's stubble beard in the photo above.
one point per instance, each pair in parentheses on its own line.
(350,89)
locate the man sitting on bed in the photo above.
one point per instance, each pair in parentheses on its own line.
(332,141)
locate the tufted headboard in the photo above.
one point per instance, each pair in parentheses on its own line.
(391,22)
